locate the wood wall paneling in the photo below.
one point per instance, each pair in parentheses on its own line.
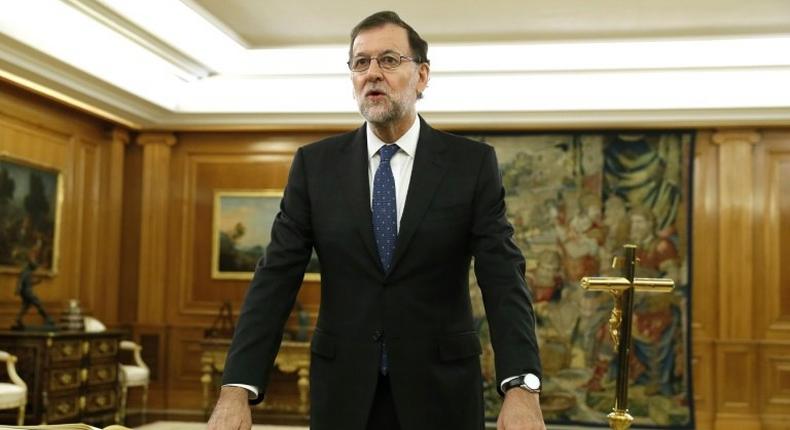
(702,370)
(202,164)
(153,270)
(131,221)
(735,231)
(772,234)
(705,227)
(111,212)
(775,368)
(736,367)
(36,131)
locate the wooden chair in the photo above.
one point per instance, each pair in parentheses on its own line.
(136,374)
(13,395)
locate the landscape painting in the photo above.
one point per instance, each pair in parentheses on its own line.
(242,228)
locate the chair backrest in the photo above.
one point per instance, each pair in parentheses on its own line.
(93,325)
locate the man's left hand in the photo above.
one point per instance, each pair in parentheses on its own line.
(520,411)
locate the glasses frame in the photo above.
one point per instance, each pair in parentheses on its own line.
(400,61)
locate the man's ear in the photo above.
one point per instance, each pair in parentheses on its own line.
(424,72)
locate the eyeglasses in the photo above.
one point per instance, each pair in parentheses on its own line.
(386,62)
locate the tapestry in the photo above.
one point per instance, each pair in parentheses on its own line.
(574,200)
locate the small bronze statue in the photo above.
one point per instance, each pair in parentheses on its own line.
(24,289)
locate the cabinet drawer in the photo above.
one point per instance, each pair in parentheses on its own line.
(63,409)
(101,348)
(102,374)
(65,350)
(64,379)
(101,400)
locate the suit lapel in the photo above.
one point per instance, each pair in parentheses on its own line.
(427,174)
(352,171)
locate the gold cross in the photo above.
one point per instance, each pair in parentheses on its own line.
(622,288)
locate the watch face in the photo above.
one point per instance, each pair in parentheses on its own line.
(531,381)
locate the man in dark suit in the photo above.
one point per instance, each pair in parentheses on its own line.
(395,210)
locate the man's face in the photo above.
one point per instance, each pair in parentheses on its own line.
(387,96)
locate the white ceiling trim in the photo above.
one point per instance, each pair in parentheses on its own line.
(163,73)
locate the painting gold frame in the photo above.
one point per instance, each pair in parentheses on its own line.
(57,200)
(258,212)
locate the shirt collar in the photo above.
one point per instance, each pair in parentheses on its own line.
(407,142)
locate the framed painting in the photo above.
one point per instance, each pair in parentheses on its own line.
(242,230)
(30,208)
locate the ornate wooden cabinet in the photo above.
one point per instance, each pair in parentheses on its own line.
(71,376)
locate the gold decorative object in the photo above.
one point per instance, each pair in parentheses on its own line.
(293,357)
(622,288)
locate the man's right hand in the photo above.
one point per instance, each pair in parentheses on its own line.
(232,411)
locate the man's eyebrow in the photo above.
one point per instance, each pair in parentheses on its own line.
(386,51)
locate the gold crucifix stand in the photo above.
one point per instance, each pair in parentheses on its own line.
(622,288)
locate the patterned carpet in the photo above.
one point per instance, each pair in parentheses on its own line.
(179,425)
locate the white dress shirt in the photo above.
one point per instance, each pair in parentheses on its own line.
(401,164)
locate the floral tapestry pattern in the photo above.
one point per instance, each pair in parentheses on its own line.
(574,200)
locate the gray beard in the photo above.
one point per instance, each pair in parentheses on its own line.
(376,116)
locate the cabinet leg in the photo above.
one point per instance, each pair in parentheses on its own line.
(145,402)
(124,391)
(304,390)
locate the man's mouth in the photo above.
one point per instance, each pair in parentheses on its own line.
(375,94)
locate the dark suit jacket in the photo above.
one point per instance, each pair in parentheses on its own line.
(454,210)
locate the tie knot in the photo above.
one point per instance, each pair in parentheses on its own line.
(387,151)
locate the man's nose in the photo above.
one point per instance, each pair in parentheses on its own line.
(374,70)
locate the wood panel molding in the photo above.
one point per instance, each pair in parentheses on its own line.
(736,378)
(705,222)
(736,188)
(774,364)
(112,213)
(153,267)
(772,236)
(703,373)
(736,136)
(203,163)
(167,139)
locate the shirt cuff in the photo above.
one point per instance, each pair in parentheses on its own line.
(506,380)
(253,391)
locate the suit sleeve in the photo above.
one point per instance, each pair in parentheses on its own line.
(500,270)
(272,292)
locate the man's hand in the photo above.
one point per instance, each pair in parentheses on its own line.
(232,411)
(520,411)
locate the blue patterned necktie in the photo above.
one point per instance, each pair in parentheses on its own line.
(385,223)
(385,212)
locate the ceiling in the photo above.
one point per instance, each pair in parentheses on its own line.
(246,64)
(267,24)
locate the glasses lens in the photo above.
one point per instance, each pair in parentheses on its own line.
(389,61)
(360,64)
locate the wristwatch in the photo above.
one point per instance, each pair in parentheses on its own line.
(529,382)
